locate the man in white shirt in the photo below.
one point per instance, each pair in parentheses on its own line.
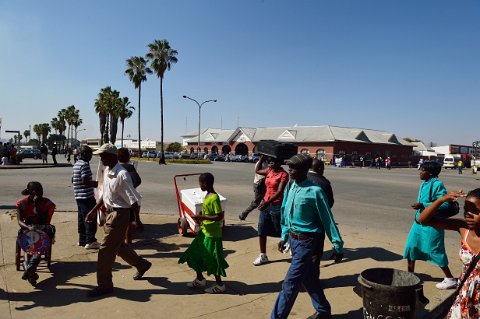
(118,196)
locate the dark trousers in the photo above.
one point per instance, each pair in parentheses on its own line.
(86,231)
(259,192)
(304,271)
(54,158)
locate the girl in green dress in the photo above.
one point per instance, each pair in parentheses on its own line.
(205,253)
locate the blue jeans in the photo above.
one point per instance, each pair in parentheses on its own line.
(269,221)
(304,271)
(86,231)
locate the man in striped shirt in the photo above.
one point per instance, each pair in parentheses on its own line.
(83,186)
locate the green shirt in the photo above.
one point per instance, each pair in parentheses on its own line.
(305,210)
(211,207)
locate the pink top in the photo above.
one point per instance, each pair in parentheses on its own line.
(272,181)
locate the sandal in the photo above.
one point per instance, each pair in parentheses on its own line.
(217,289)
(197,283)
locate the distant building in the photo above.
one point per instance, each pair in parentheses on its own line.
(327,142)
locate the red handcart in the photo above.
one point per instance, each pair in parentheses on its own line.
(190,201)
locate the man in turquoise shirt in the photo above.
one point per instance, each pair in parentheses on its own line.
(304,215)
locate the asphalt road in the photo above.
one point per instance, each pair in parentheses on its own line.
(376,202)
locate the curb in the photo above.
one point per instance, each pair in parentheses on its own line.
(25,166)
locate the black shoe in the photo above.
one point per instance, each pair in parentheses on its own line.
(142,268)
(323,315)
(98,292)
(33,279)
(242,216)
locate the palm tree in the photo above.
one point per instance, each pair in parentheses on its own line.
(62,126)
(106,105)
(137,73)
(26,133)
(162,57)
(114,108)
(71,114)
(101,109)
(125,112)
(78,121)
(37,130)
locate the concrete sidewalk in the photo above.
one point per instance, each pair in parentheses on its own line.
(251,291)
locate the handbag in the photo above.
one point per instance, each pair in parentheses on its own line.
(452,209)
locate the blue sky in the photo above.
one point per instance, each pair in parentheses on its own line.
(408,67)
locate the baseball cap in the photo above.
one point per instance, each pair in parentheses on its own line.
(107,148)
(300,160)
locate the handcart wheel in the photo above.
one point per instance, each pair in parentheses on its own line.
(182,226)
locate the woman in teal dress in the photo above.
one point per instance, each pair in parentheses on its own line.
(426,242)
(205,253)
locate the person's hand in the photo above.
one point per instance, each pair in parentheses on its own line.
(281,245)
(452,196)
(336,257)
(262,205)
(417,206)
(31,227)
(197,218)
(91,216)
(133,225)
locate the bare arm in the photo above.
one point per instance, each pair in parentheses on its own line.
(93,213)
(279,192)
(427,216)
(214,218)
(258,166)
(21,223)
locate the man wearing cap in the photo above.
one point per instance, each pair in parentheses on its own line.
(118,197)
(305,214)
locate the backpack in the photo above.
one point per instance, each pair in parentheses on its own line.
(452,209)
(136,180)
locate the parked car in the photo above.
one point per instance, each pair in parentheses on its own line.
(149,154)
(168,155)
(239,158)
(184,155)
(29,153)
(220,158)
(254,158)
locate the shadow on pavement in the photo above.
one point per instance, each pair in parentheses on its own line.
(233,287)
(375,253)
(8,207)
(354,314)
(236,232)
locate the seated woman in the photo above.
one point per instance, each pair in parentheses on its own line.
(34,212)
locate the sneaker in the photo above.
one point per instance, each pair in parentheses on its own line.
(197,283)
(447,283)
(93,245)
(216,289)
(262,259)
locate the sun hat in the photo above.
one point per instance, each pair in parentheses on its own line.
(300,161)
(107,148)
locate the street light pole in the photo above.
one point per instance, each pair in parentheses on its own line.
(199,116)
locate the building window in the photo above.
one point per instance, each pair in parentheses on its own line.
(305,151)
(205,150)
(321,155)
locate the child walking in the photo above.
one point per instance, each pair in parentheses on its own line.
(205,253)
(426,242)
(467,301)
